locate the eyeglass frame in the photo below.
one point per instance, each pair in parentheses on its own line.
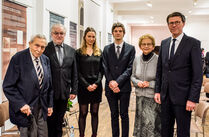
(146,44)
(58,33)
(175,22)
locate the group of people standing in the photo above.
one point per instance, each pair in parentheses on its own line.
(167,86)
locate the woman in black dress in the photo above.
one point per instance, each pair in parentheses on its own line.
(89,62)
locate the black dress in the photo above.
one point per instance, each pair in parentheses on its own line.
(89,72)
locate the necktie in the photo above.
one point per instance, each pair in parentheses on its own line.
(118,51)
(172,50)
(39,73)
(60,56)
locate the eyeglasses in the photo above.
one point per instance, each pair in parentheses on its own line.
(58,33)
(146,44)
(172,23)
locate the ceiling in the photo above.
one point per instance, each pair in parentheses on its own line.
(136,12)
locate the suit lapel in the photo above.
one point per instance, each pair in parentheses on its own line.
(180,47)
(53,51)
(64,51)
(44,66)
(167,46)
(122,51)
(29,63)
(112,50)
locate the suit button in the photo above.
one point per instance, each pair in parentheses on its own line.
(116,67)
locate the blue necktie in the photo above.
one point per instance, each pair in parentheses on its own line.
(172,50)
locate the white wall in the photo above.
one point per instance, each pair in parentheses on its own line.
(108,21)
(65,8)
(199,30)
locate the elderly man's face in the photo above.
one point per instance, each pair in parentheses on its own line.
(37,47)
(58,35)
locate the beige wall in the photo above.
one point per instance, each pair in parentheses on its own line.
(158,32)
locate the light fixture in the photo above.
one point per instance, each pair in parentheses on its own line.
(149,4)
(194,2)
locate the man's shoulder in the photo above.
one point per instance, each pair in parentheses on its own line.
(191,38)
(21,53)
(129,46)
(166,39)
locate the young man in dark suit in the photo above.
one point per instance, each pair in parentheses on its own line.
(179,78)
(64,77)
(27,85)
(118,59)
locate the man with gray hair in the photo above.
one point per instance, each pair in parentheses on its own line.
(64,77)
(27,85)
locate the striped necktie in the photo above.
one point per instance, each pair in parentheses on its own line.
(39,73)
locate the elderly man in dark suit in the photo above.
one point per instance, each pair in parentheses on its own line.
(178,78)
(27,85)
(118,59)
(64,77)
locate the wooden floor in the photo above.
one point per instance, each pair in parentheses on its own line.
(104,129)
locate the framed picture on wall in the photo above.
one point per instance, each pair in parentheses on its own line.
(14,30)
(54,19)
(109,36)
(73,35)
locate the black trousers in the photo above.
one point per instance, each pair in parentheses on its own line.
(171,112)
(55,121)
(119,103)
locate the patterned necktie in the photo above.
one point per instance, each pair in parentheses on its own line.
(172,50)
(118,51)
(39,73)
(60,56)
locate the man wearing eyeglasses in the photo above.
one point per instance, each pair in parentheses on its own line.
(64,77)
(178,78)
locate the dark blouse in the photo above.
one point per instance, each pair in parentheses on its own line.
(89,67)
(148,56)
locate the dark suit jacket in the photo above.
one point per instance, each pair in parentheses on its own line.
(64,78)
(21,86)
(120,69)
(182,77)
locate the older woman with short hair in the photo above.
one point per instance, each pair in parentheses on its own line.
(147,116)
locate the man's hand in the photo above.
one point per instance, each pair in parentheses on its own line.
(50,111)
(26,109)
(116,90)
(113,84)
(72,96)
(190,106)
(157,98)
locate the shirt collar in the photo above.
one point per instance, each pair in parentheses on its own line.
(179,37)
(57,45)
(121,44)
